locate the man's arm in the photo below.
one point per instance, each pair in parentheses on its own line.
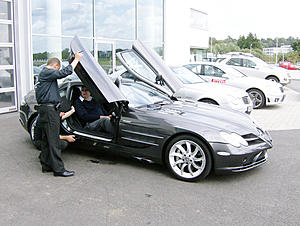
(68,113)
(77,58)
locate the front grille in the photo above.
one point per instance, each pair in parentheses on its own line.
(281,89)
(252,139)
(246,100)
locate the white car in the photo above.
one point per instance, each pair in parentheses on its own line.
(196,89)
(254,67)
(261,91)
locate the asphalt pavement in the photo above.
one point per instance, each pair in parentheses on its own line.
(111,190)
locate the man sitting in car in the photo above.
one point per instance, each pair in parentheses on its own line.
(91,114)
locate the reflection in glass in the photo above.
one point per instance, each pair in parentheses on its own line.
(150,24)
(77,17)
(7,99)
(105,58)
(5,12)
(6,57)
(5,34)
(121,46)
(6,78)
(115,19)
(47,47)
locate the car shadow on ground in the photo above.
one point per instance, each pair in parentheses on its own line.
(104,157)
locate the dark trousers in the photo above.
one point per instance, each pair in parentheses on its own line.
(103,124)
(50,156)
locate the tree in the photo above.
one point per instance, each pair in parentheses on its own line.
(296,46)
(251,42)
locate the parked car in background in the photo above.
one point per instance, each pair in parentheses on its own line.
(180,82)
(254,67)
(289,65)
(190,138)
(197,89)
(261,91)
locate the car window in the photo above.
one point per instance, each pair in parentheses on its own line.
(218,72)
(197,69)
(63,92)
(140,95)
(248,63)
(128,75)
(139,66)
(186,76)
(235,62)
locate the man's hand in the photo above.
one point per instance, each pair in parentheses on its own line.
(61,114)
(105,116)
(78,56)
(70,138)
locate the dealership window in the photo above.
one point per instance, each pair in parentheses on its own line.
(8,98)
(150,24)
(197,54)
(104,26)
(115,19)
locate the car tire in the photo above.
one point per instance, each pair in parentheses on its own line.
(31,130)
(188,158)
(209,101)
(273,78)
(257,97)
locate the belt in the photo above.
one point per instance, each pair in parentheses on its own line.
(55,106)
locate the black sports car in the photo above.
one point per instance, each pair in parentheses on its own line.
(190,138)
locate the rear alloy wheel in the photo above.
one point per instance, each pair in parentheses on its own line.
(257,97)
(188,158)
(273,79)
(32,132)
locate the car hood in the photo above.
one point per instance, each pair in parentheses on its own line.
(94,77)
(212,118)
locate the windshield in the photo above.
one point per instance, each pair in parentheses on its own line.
(186,76)
(140,95)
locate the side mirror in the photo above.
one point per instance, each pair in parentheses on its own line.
(159,80)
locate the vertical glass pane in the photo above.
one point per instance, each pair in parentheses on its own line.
(5,10)
(7,99)
(6,78)
(121,46)
(6,57)
(45,48)
(5,33)
(77,17)
(150,23)
(105,56)
(115,19)
(57,17)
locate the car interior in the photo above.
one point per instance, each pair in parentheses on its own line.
(74,122)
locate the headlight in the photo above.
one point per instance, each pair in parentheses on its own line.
(234,139)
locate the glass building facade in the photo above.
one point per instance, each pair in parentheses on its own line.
(104,26)
(8,97)
(33,31)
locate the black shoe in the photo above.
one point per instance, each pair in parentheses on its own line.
(66,173)
(47,170)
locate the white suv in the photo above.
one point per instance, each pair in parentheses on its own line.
(254,67)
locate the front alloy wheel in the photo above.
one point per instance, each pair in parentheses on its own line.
(188,158)
(257,97)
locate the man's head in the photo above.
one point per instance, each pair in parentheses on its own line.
(85,93)
(53,63)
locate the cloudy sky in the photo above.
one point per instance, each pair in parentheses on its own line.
(266,19)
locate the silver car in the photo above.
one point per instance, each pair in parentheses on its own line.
(261,91)
(254,67)
(183,84)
